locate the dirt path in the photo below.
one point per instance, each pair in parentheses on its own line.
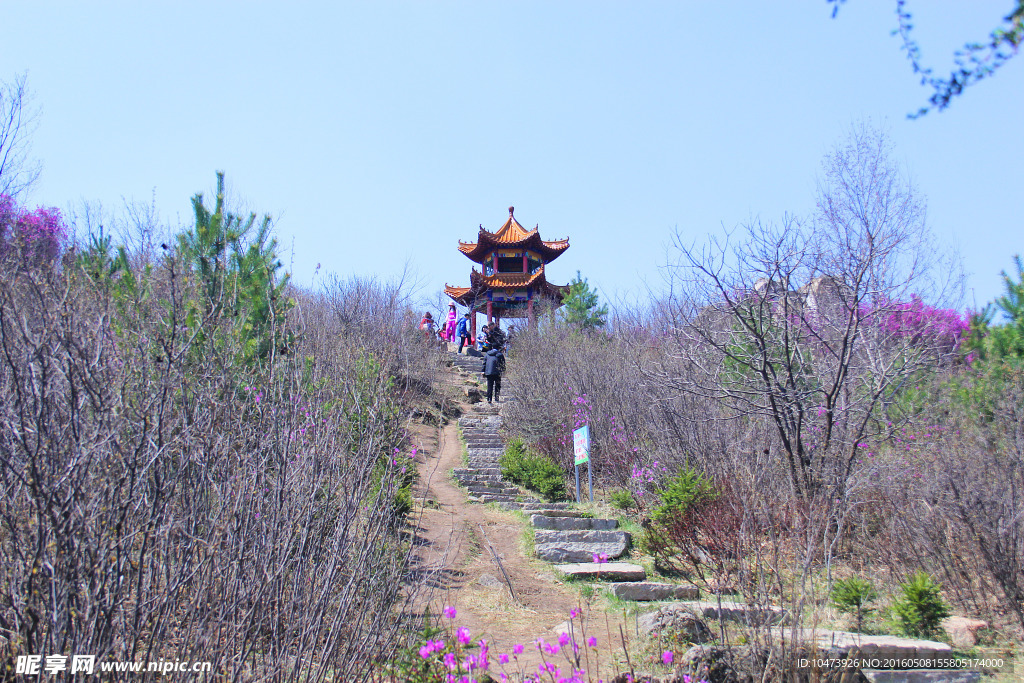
(453,536)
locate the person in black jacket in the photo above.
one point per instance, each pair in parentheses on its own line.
(494,365)
(496,338)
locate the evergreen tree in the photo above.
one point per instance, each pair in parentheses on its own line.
(581,306)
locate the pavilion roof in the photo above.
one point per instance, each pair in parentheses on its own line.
(513,235)
(479,284)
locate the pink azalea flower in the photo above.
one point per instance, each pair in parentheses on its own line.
(463,635)
(449,612)
(592,641)
(667,657)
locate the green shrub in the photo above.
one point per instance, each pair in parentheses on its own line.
(534,471)
(622,499)
(687,488)
(852,596)
(919,609)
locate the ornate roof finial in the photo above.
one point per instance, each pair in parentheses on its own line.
(511,209)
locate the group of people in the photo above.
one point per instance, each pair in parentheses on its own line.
(455,328)
(492,341)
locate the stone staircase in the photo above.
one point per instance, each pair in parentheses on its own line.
(562,534)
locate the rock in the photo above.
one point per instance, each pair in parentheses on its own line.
(473,394)
(613,571)
(842,643)
(674,620)
(737,611)
(579,546)
(565,522)
(963,631)
(711,664)
(647,591)
(488,581)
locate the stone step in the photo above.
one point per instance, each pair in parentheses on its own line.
(480,421)
(493,498)
(566,523)
(557,512)
(838,644)
(482,479)
(472,471)
(547,506)
(613,571)
(579,546)
(648,591)
(735,611)
(494,490)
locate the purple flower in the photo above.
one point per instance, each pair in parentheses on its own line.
(517,649)
(592,641)
(463,635)
(449,612)
(667,657)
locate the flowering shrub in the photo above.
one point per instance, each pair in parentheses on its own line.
(565,660)
(36,237)
(916,322)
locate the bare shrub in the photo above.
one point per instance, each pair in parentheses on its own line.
(165,497)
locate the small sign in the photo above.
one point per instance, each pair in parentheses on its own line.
(581,444)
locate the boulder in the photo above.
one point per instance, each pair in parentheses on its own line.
(674,621)
(963,631)
(488,581)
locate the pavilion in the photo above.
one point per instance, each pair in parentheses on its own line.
(512,273)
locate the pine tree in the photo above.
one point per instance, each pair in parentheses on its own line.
(580,306)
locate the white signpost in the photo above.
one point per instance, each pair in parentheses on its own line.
(581,448)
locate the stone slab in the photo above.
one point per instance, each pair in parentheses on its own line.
(579,546)
(735,611)
(879,647)
(922,676)
(557,512)
(613,571)
(565,523)
(642,591)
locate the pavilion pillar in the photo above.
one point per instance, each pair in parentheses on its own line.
(529,313)
(524,262)
(490,312)
(472,328)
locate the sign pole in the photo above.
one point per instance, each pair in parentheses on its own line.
(581,451)
(590,479)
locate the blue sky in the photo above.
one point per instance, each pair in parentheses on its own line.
(380,133)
